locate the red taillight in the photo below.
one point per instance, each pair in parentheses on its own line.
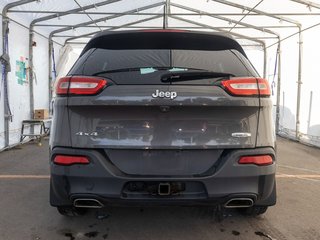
(247,86)
(260,160)
(80,85)
(62,86)
(67,160)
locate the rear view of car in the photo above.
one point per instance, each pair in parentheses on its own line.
(162,118)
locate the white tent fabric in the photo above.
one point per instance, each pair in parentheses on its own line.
(259,26)
(68,56)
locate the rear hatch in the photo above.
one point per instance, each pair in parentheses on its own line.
(159,107)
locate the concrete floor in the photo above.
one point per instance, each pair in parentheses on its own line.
(26,214)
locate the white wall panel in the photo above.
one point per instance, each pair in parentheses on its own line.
(41,92)
(1,98)
(311,82)
(18,92)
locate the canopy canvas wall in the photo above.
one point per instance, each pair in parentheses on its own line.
(279,37)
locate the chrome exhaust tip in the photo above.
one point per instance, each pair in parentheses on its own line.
(87,203)
(239,203)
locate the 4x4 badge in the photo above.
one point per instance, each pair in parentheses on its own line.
(87,134)
(162,94)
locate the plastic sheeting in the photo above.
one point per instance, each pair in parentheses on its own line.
(258,21)
(67,57)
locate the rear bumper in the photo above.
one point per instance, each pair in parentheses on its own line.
(103,181)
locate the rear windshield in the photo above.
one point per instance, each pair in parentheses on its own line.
(146,66)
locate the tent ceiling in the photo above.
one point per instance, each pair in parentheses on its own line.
(254,19)
(260,24)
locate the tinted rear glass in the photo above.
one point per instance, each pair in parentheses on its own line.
(146,66)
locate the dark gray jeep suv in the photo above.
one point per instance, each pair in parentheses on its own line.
(162,117)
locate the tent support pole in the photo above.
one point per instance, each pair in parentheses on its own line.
(50,70)
(5,22)
(299,85)
(164,24)
(278,89)
(31,35)
(166,9)
(310,111)
(264,60)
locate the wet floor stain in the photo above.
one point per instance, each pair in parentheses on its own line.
(92,225)
(261,234)
(67,233)
(222,230)
(92,234)
(70,236)
(236,233)
(105,236)
(102,215)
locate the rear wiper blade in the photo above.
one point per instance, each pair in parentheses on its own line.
(117,70)
(189,76)
(135,69)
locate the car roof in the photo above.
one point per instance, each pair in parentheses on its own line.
(163,39)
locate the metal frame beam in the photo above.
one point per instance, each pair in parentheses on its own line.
(113,28)
(88,15)
(107,26)
(307,3)
(218,29)
(59,13)
(83,24)
(72,11)
(259,12)
(228,20)
(246,14)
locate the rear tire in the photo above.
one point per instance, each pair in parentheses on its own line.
(253,211)
(71,211)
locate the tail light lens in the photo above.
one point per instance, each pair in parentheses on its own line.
(247,87)
(62,86)
(260,160)
(67,160)
(78,85)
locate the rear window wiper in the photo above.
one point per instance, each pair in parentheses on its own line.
(189,76)
(146,70)
(117,70)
